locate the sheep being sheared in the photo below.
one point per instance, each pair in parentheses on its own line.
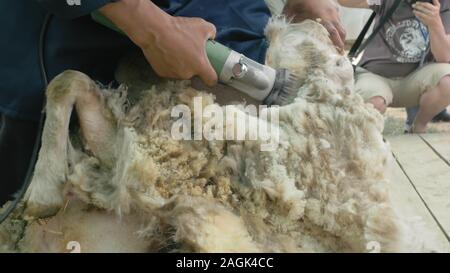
(323,188)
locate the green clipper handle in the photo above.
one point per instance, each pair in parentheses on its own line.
(101,19)
(217,53)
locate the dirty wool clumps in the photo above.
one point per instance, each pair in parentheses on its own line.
(323,188)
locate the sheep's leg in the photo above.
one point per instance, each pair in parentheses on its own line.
(69,89)
(202,225)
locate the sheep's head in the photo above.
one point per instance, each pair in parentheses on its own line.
(306,49)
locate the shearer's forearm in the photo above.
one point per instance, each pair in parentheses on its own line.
(139,19)
(302,8)
(440,44)
(298,4)
(362,4)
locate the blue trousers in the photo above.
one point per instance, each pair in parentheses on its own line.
(17,139)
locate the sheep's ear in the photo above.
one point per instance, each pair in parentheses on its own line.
(275,26)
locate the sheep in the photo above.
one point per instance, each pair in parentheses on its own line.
(324,188)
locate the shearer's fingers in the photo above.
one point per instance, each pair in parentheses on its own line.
(421,15)
(206,71)
(341,30)
(426,7)
(334,35)
(210,30)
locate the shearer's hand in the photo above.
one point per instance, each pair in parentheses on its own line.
(429,14)
(326,10)
(178,51)
(174,46)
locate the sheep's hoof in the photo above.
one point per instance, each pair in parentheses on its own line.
(39,211)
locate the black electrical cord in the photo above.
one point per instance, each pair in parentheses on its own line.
(37,144)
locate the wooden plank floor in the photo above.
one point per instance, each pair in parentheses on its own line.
(421,184)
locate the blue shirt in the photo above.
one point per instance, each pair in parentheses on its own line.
(74,41)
